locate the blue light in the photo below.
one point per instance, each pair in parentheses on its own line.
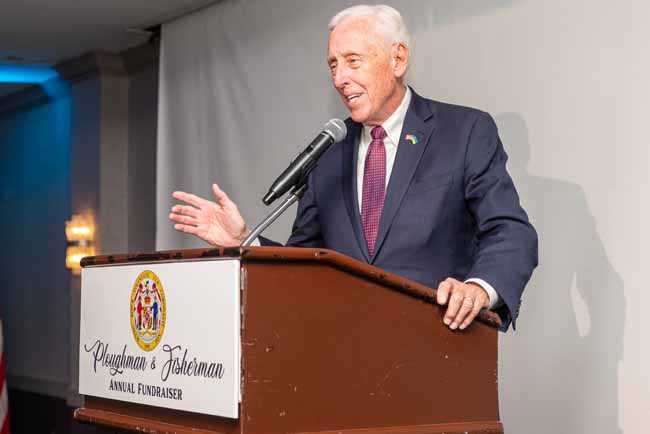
(26,74)
(56,88)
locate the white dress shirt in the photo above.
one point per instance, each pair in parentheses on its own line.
(393,127)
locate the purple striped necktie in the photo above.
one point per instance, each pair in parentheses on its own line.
(374,187)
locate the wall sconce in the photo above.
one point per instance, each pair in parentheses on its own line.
(80,233)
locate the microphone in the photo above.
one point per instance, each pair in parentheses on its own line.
(334,131)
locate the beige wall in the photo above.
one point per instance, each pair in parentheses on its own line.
(113,149)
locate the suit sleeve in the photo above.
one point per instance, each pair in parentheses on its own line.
(506,242)
(306,227)
(306,231)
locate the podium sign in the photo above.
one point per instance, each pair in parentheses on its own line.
(163,334)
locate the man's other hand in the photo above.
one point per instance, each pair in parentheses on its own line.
(465,302)
(218,223)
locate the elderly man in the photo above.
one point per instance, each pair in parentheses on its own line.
(418,187)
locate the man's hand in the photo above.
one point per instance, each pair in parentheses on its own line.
(219,223)
(465,302)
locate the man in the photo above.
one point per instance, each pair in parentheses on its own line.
(418,187)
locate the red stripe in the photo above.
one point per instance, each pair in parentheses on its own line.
(5,426)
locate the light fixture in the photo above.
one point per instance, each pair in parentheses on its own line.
(80,233)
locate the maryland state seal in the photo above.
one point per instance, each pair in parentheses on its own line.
(148,310)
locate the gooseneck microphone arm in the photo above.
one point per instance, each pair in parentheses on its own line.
(296,193)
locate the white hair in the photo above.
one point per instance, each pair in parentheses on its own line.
(388,20)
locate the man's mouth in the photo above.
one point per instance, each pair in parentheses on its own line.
(352,97)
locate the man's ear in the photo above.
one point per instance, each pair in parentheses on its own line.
(399,59)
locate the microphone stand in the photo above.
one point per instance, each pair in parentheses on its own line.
(296,193)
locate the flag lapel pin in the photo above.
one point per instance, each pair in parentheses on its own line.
(412,138)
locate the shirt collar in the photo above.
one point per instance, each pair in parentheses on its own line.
(392,125)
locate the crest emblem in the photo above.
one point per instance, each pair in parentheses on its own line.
(148,310)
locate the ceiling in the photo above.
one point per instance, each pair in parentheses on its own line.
(46,32)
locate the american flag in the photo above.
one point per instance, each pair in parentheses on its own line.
(4,403)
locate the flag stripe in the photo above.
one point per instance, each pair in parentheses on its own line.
(4,399)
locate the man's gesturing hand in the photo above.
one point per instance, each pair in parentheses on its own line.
(465,301)
(219,223)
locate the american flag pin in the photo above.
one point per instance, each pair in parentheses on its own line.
(412,138)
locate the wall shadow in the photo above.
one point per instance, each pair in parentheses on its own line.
(559,370)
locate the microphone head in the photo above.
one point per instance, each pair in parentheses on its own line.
(336,129)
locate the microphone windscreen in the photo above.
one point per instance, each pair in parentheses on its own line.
(336,129)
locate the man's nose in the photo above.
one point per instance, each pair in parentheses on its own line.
(340,78)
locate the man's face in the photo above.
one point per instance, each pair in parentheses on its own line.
(366,70)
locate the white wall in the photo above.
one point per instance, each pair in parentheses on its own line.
(568,84)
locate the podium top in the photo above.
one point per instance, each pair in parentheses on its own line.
(286,255)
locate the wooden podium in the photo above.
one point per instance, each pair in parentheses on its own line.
(333,345)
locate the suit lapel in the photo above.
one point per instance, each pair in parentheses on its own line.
(419,121)
(350,157)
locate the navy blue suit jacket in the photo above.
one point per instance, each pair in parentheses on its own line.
(451,209)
